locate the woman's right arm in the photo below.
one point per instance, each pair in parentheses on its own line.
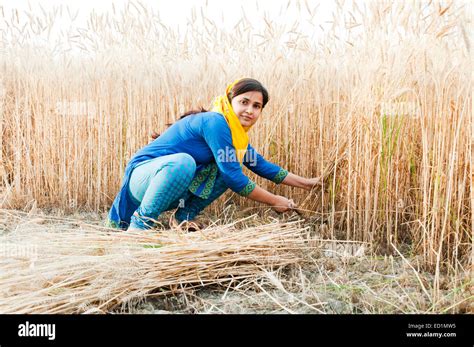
(217,135)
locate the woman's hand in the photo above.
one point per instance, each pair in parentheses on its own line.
(277,202)
(302,182)
(313,182)
(282,204)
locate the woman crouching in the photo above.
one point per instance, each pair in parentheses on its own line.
(197,159)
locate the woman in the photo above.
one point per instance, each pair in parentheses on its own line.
(197,159)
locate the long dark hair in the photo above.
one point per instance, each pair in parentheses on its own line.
(243,86)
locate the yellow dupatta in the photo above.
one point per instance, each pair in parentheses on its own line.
(240,139)
(203,183)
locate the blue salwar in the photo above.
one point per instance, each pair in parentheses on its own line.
(162,184)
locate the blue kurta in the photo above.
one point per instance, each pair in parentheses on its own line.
(207,138)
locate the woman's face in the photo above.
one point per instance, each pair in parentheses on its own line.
(248,107)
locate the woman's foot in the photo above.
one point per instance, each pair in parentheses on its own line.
(134,229)
(188,226)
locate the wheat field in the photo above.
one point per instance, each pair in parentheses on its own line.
(379,104)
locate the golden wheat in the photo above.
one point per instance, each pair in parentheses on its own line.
(394,174)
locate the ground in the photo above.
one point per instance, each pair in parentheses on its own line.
(327,280)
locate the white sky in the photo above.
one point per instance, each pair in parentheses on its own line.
(177,13)
(224,12)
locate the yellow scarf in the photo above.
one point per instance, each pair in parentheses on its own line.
(240,139)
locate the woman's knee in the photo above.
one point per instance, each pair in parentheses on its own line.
(184,162)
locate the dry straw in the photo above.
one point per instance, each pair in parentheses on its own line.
(57,268)
(394,175)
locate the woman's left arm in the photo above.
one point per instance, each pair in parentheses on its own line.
(301,182)
(259,165)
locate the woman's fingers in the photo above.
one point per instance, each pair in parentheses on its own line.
(283,204)
(313,182)
(291,204)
